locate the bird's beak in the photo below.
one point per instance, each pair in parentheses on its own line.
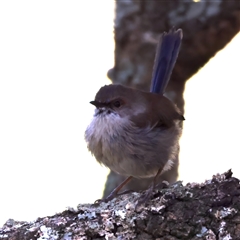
(94,103)
(97,104)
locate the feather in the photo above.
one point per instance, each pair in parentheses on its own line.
(166,56)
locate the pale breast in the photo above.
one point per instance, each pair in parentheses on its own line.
(102,136)
(128,150)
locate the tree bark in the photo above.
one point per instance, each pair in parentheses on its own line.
(210,210)
(207,27)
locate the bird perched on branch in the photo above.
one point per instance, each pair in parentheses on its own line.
(136,133)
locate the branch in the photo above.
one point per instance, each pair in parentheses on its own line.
(196,211)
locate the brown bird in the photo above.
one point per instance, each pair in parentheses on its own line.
(136,133)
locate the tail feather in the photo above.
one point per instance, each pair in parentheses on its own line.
(166,56)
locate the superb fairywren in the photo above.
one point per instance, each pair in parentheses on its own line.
(136,133)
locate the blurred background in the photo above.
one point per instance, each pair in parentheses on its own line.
(54,56)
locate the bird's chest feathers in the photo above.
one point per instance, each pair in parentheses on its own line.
(105,131)
(106,126)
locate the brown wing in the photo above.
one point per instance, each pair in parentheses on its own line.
(160,111)
(165,112)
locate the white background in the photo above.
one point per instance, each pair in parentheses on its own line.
(54,56)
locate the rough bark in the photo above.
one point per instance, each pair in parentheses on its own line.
(207,27)
(210,210)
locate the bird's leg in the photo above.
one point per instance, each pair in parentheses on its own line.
(144,198)
(115,191)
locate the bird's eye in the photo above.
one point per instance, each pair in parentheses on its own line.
(116,104)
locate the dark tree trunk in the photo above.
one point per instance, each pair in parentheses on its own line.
(207,27)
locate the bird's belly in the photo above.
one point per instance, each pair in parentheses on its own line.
(129,150)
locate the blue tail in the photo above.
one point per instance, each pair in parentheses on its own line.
(166,56)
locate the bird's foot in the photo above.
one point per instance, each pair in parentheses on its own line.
(149,193)
(144,198)
(111,196)
(115,191)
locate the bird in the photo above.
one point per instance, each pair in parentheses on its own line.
(136,133)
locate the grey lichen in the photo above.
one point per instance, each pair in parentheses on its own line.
(194,211)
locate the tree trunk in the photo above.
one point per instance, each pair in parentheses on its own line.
(207,27)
